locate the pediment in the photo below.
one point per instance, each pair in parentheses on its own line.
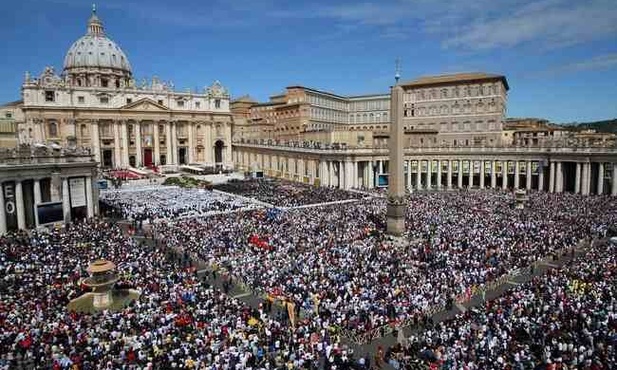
(145,104)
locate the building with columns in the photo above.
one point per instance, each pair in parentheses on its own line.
(33,176)
(95,102)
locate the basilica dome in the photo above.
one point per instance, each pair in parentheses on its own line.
(94,50)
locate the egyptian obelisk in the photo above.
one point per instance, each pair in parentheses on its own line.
(396,182)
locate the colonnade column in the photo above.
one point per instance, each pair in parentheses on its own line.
(371,175)
(471,174)
(409,187)
(429,173)
(125,145)
(37,200)
(516,175)
(528,175)
(559,178)
(174,142)
(577,179)
(504,175)
(66,202)
(94,135)
(323,171)
(138,156)
(585,179)
(157,144)
(493,174)
(2,210)
(89,197)
(482,174)
(331,173)
(460,174)
(117,146)
(439,168)
(551,178)
(540,177)
(419,175)
(191,148)
(449,176)
(19,200)
(614,183)
(600,178)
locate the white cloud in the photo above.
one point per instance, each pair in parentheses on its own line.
(600,62)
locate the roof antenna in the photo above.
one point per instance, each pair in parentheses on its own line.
(397,74)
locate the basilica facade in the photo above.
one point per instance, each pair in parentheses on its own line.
(95,102)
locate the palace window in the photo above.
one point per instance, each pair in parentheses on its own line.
(197,105)
(81,99)
(104,99)
(129,100)
(217,103)
(50,95)
(180,103)
(104,82)
(52,127)
(160,102)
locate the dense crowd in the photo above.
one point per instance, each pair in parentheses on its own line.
(179,321)
(337,265)
(566,319)
(165,202)
(281,193)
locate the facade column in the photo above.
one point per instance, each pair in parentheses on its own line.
(66,201)
(37,200)
(157,144)
(493,174)
(460,174)
(540,177)
(138,150)
(89,197)
(117,146)
(355,174)
(528,175)
(371,175)
(504,171)
(449,176)
(96,142)
(3,212)
(125,145)
(409,187)
(471,174)
(482,174)
(19,203)
(419,175)
(331,173)
(174,142)
(559,178)
(517,175)
(613,184)
(577,179)
(600,178)
(191,148)
(584,179)
(323,171)
(208,145)
(349,174)
(429,173)
(380,164)
(439,168)
(551,178)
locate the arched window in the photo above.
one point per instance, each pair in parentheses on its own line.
(52,129)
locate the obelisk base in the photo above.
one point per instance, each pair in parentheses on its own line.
(395,213)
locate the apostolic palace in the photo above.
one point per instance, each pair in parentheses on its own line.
(456,133)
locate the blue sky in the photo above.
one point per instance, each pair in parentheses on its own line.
(560,56)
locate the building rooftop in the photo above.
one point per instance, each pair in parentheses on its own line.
(455,77)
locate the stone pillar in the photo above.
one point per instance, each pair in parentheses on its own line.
(209,145)
(157,144)
(37,200)
(117,146)
(89,197)
(482,174)
(96,143)
(551,178)
(409,187)
(396,190)
(439,174)
(355,174)
(471,174)
(191,148)
(419,175)
(227,147)
(19,203)
(517,175)
(138,150)
(66,201)
(600,178)
(449,178)
(371,175)
(504,171)
(174,142)
(528,175)
(380,164)
(333,178)
(125,145)
(493,174)
(559,178)
(577,179)
(585,179)
(429,173)
(540,177)
(614,182)
(460,174)
(323,172)
(2,211)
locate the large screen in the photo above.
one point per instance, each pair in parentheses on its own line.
(382,181)
(50,213)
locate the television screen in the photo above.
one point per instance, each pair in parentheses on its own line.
(50,213)
(382,181)
(259,175)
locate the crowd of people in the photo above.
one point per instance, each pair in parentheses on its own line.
(337,265)
(179,321)
(282,193)
(566,319)
(167,202)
